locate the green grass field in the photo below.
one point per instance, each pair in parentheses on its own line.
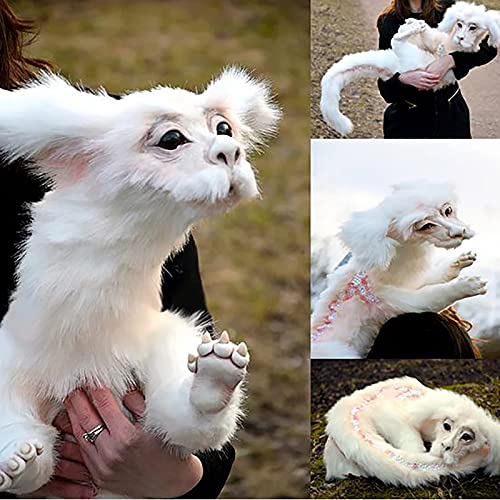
(255,261)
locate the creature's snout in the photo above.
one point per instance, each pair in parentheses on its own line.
(460,230)
(225,150)
(447,445)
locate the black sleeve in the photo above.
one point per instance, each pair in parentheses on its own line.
(181,288)
(216,468)
(391,90)
(465,61)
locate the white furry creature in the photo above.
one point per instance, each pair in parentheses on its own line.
(131,177)
(391,270)
(381,430)
(414,46)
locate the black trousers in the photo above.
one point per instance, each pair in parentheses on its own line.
(431,115)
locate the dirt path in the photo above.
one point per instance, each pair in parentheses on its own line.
(361,101)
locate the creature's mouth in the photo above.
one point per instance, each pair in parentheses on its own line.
(449,244)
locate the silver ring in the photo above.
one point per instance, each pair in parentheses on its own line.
(93,434)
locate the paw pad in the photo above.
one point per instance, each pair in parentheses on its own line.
(222,348)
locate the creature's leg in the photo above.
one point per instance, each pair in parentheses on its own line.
(433,41)
(26,448)
(448,271)
(338,466)
(409,28)
(193,401)
(432,298)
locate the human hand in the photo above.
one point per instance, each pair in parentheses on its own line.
(125,459)
(420,79)
(441,66)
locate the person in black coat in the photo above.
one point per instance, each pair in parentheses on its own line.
(415,111)
(182,287)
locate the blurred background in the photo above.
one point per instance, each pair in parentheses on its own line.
(254,261)
(333,379)
(471,167)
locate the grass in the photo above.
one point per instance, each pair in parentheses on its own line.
(480,380)
(255,261)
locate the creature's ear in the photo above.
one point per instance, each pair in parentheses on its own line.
(250,100)
(451,17)
(368,236)
(493,25)
(53,124)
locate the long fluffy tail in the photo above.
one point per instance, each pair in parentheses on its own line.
(374,63)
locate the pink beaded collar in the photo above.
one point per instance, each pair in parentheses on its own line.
(358,286)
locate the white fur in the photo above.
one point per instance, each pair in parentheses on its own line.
(386,242)
(399,425)
(87,306)
(414,46)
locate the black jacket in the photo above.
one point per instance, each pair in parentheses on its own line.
(181,290)
(417,114)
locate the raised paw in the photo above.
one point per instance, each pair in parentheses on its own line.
(222,348)
(441,50)
(471,286)
(411,27)
(465,260)
(22,472)
(219,367)
(461,262)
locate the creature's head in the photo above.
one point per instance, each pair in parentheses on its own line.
(460,434)
(416,213)
(162,144)
(468,24)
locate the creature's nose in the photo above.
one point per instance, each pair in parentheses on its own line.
(446,447)
(225,150)
(457,232)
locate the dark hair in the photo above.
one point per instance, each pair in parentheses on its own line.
(424,336)
(15,34)
(402,9)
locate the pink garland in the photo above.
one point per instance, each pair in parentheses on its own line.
(358,286)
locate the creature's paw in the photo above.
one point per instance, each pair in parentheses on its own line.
(411,27)
(441,50)
(220,359)
(219,367)
(24,467)
(461,262)
(464,260)
(471,286)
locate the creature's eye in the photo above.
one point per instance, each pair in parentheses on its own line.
(448,211)
(426,227)
(459,24)
(223,128)
(467,436)
(172,140)
(472,28)
(447,426)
